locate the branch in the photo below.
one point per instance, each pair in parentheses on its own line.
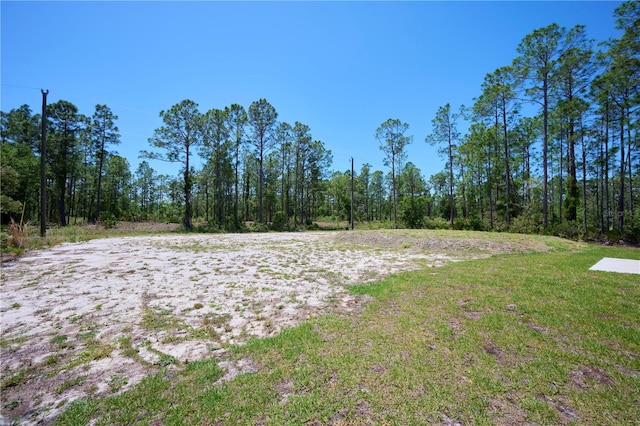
(153,156)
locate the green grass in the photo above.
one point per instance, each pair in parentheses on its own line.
(511,339)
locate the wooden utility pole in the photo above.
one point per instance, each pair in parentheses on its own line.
(43,168)
(351,193)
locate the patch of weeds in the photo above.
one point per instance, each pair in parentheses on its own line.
(18,341)
(89,326)
(61,341)
(95,350)
(293,297)
(216,320)
(127,349)
(202,333)
(69,384)
(15,305)
(98,307)
(126,346)
(164,359)
(58,339)
(198,306)
(159,320)
(88,335)
(15,379)
(249,291)
(52,360)
(11,405)
(117,382)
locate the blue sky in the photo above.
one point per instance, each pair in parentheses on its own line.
(342,68)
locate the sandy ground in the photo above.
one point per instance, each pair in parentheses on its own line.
(95,318)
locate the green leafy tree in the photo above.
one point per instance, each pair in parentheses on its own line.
(339,187)
(104,132)
(237,120)
(319,160)
(574,73)
(412,212)
(117,202)
(302,146)
(619,89)
(445,133)
(537,64)
(499,96)
(262,119)
(393,141)
(284,137)
(19,132)
(145,184)
(310,160)
(410,181)
(9,205)
(62,145)
(215,148)
(179,135)
(378,196)
(363,184)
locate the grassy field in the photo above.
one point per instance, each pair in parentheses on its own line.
(510,339)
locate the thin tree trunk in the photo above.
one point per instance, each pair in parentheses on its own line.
(606,173)
(622,171)
(507,164)
(584,183)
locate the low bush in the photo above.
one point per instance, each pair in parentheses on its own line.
(436,223)
(258,227)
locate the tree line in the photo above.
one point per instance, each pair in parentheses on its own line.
(551,145)
(583,135)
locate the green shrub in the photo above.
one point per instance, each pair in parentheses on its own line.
(258,227)
(313,227)
(472,223)
(279,222)
(526,224)
(412,212)
(571,230)
(108,220)
(436,223)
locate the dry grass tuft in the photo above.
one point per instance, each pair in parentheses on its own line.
(18,234)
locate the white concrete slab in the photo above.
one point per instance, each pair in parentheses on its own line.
(611,264)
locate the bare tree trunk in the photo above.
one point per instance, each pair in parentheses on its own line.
(584,183)
(622,171)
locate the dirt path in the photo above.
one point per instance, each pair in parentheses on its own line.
(94,318)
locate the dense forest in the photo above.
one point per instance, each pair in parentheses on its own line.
(550,146)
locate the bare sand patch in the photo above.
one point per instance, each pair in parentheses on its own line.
(94,318)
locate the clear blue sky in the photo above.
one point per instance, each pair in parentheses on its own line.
(342,68)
